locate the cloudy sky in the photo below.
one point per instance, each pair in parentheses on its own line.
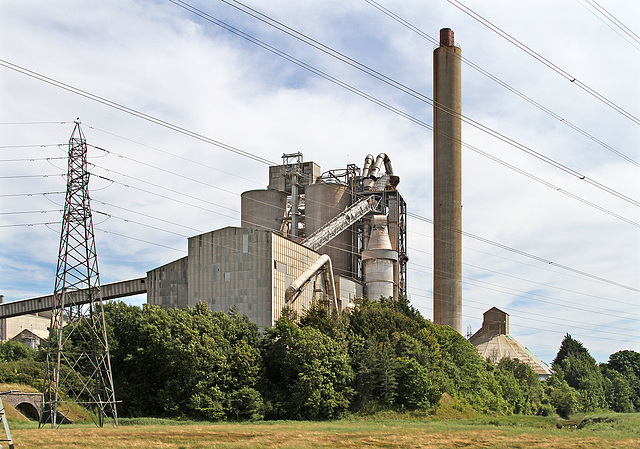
(550,208)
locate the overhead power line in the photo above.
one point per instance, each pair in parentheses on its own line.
(7,147)
(328,77)
(133,112)
(33,159)
(177,156)
(612,22)
(391,82)
(413,250)
(504,84)
(471,13)
(32,194)
(533,256)
(36,123)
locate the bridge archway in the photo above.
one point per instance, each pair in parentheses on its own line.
(29,410)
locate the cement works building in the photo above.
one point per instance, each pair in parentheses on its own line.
(310,236)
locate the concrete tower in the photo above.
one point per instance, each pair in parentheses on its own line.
(447,183)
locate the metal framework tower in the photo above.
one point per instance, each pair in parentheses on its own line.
(78,368)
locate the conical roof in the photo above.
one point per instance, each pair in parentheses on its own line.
(493,342)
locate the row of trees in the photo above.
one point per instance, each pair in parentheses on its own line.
(381,356)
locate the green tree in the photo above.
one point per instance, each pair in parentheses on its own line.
(20,364)
(414,387)
(562,397)
(627,363)
(530,387)
(11,351)
(381,332)
(581,372)
(618,393)
(307,373)
(179,362)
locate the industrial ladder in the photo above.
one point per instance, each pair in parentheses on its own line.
(340,222)
(3,418)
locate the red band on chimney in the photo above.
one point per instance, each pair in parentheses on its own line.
(446,37)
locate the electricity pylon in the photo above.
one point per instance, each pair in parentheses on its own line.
(78,368)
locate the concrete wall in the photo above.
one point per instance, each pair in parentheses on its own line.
(348,290)
(167,285)
(290,260)
(246,268)
(232,267)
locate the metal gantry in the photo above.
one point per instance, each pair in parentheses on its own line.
(78,367)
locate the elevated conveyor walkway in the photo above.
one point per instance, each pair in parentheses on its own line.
(112,290)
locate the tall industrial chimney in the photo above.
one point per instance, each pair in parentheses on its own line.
(447,183)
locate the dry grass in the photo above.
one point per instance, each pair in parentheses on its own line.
(354,433)
(13,414)
(20,387)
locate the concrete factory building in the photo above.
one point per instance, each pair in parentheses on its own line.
(310,236)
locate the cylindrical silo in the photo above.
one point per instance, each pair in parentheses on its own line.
(263,209)
(447,183)
(379,260)
(324,201)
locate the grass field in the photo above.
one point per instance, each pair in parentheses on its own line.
(597,431)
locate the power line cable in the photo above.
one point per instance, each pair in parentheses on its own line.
(158,186)
(172,172)
(33,159)
(523,315)
(340,83)
(532,256)
(20,225)
(177,156)
(582,273)
(474,15)
(402,87)
(545,299)
(12,147)
(194,229)
(303,38)
(500,273)
(31,194)
(550,320)
(139,240)
(32,176)
(26,212)
(36,123)
(620,28)
(133,112)
(504,84)
(413,215)
(127,220)
(132,221)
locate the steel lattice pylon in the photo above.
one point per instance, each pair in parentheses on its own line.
(78,368)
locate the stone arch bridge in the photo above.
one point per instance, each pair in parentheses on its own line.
(29,404)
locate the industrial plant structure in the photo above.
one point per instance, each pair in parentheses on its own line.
(309,236)
(326,237)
